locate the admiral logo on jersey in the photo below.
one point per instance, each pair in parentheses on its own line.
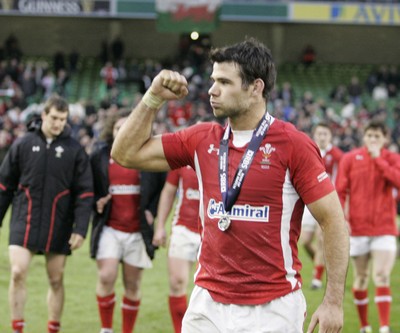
(246,212)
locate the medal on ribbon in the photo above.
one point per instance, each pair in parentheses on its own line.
(230,194)
(224,223)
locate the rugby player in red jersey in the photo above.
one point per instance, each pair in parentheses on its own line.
(255,175)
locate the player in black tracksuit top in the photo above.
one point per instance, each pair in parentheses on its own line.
(51,190)
(47,177)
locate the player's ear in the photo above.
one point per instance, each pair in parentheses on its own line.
(258,86)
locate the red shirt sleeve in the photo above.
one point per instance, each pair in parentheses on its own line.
(179,147)
(307,169)
(173,177)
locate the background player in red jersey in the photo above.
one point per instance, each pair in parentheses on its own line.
(254,177)
(185,238)
(116,236)
(331,155)
(367,178)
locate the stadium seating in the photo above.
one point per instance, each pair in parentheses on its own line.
(319,78)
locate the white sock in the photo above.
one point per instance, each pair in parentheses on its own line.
(106,330)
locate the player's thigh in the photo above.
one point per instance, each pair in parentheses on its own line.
(184,244)
(384,243)
(132,276)
(361,264)
(197,318)
(178,272)
(180,268)
(360,246)
(55,264)
(308,227)
(107,269)
(285,314)
(134,251)
(383,252)
(110,244)
(20,259)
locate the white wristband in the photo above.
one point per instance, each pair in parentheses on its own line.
(152,101)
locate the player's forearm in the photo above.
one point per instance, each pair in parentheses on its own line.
(164,208)
(336,249)
(131,137)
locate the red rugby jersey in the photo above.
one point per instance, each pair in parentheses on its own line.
(187,206)
(369,184)
(331,157)
(125,191)
(256,259)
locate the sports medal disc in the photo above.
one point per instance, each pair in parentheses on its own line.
(224,223)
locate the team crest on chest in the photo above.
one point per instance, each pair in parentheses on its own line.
(266,151)
(59,150)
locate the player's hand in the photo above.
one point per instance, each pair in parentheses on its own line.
(374,150)
(102,202)
(160,237)
(149,217)
(328,317)
(169,85)
(75,241)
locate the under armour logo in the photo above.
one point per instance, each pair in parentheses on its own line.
(211,149)
(59,150)
(36,148)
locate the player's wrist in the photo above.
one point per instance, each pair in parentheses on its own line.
(152,101)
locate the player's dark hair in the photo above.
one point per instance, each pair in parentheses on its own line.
(321,124)
(377,126)
(107,132)
(254,60)
(59,103)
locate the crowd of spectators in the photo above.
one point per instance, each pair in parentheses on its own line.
(24,85)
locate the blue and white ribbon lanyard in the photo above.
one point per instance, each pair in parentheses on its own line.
(230,195)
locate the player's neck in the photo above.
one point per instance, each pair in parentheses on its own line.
(248,120)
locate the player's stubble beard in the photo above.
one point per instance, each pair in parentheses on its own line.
(239,110)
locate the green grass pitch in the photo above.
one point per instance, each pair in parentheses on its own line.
(80,310)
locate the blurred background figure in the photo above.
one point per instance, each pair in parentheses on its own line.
(185,238)
(311,232)
(367,178)
(46,176)
(116,236)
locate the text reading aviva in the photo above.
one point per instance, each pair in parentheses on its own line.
(239,212)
